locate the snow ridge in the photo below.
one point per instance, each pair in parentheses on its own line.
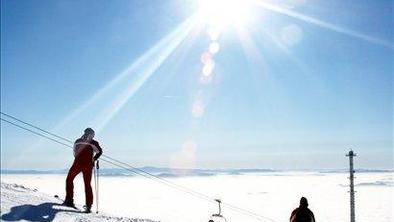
(21,203)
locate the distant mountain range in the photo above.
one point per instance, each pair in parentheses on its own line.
(156,171)
(175,172)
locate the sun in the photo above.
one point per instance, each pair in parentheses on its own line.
(220,14)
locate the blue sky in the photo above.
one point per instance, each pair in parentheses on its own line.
(293,86)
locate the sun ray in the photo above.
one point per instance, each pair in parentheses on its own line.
(145,71)
(255,56)
(323,24)
(286,50)
(123,75)
(249,46)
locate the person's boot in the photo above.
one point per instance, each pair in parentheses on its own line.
(87,209)
(69,203)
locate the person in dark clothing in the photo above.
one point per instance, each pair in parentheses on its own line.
(302,213)
(86,151)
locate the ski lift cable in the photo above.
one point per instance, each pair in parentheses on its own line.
(67,145)
(129,167)
(103,159)
(151,176)
(54,140)
(230,206)
(38,134)
(69,141)
(133,169)
(35,127)
(47,137)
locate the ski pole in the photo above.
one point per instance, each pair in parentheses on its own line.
(97,185)
(95,179)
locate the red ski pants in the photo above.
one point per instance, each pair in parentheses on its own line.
(87,177)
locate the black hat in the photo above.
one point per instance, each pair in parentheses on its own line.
(89,131)
(303,202)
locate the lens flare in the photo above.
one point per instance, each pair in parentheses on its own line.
(208,68)
(206,57)
(184,160)
(198,109)
(214,33)
(291,35)
(214,47)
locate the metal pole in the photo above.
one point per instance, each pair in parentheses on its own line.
(97,185)
(351,154)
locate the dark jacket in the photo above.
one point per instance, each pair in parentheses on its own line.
(302,214)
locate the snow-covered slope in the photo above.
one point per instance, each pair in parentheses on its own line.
(21,203)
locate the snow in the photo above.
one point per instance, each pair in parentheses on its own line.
(271,194)
(19,203)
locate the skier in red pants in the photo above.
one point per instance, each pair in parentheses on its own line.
(84,149)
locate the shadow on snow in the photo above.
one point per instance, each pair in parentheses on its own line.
(42,212)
